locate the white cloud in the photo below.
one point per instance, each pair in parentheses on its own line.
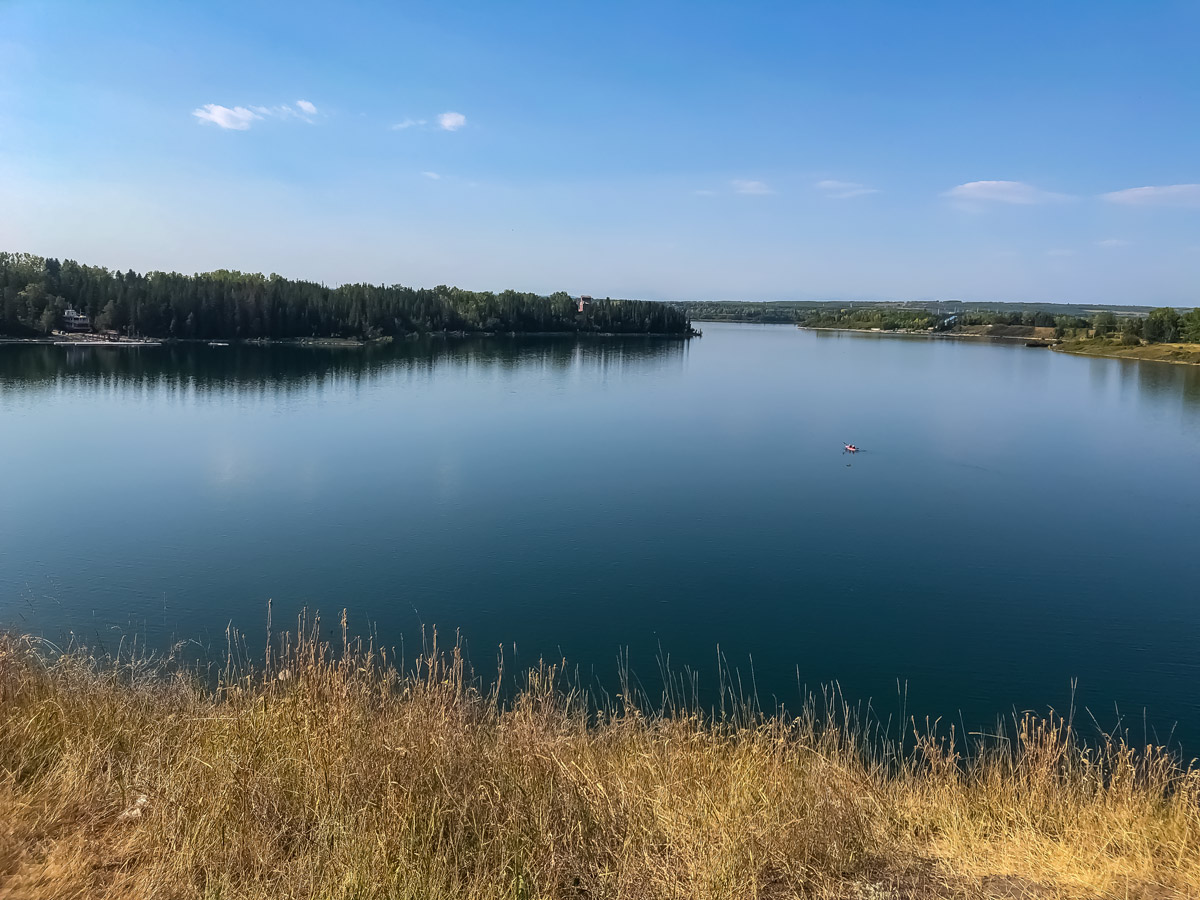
(743,186)
(407,123)
(844,190)
(1157,195)
(1013,192)
(1112,242)
(434,175)
(237,119)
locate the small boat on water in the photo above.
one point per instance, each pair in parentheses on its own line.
(850,448)
(218,343)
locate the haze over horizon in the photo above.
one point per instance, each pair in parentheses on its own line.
(718,151)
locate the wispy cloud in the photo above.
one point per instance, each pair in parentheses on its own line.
(1112,242)
(1157,195)
(236,118)
(240,118)
(302,110)
(743,186)
(1012,192)
(844,190)
(447,121)
(432,175)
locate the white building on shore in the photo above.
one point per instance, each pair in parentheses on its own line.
(73,320)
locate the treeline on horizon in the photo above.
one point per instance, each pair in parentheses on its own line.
(35,292)
(889,316)
(1133,324)
(792,311)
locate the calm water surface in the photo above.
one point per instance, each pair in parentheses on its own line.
(1020,518)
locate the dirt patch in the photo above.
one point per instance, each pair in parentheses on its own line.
(1041,333)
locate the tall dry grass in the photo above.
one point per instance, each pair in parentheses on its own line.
(349,774)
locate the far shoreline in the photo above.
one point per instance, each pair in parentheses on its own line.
(333,342)
(1089,348)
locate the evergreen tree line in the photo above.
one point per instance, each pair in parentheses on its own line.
(35,292)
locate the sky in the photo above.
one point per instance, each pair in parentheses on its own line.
(748,151)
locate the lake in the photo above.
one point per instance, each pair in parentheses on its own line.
(1019,518)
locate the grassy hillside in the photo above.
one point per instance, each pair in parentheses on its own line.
(1112,346)
(334,775)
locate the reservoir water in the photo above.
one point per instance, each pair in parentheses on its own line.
(1018,518)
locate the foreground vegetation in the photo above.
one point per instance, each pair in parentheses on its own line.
(35,292)
(353,775)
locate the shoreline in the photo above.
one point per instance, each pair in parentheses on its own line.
(1132,352)
(334,342)
(1088,348)
(947,335)
(1074,348)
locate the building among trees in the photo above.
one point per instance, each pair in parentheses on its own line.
(73,320)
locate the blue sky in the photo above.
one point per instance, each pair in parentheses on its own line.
(842,150)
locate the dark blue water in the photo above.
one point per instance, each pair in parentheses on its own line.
(1019,519)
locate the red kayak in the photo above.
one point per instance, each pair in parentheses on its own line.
(851,448)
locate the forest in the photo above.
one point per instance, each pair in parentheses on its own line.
(35,292)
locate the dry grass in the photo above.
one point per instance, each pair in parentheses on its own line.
(1112,347)
(1030,332)
(321,774)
